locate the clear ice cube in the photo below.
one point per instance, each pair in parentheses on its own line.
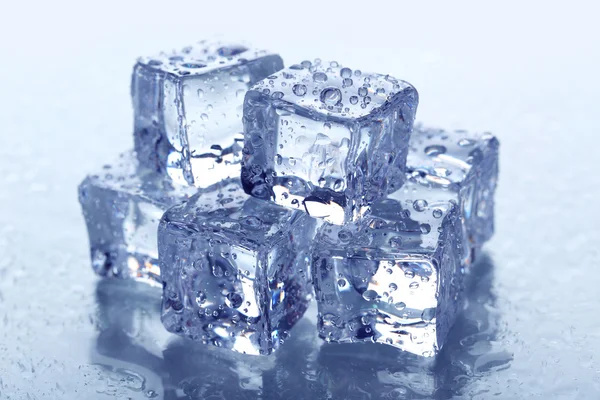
(235,269)
(326,139)
(396,276)
(122,208)
(465,165)
(188,109)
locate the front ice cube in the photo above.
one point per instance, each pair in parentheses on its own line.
(326,139)
(122,208)
(235,269)
(465,167)
(395,277)
(188,109)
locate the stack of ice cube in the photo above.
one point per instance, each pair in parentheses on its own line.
(254,188)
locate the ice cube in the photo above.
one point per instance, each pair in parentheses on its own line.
(235,269)
(122,208)
(395,277)
(325,139)
(465,166)
(188,109)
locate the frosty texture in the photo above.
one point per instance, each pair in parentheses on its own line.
(465,167)
(188,109)
(326,139)
(396,276)
(235,269)
(122,209)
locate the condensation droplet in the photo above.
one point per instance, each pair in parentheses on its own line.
(420,205)
(331,96)
(434,150)
(320,77)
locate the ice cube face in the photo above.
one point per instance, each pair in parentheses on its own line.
(235,269)
(122,208)
(465,166)
(188,109)
(395,277)
(325,139)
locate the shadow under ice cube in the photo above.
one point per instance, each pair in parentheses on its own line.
(188,109)
(396,276)
(122,207)
(464,167)
(235,269)
(325,139)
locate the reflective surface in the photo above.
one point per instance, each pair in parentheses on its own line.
(525,71)
(304,368)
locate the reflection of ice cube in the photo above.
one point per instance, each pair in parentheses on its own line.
(235,269)
(325,139)
(465,167)
(188,109)
(395,277)
(122,206)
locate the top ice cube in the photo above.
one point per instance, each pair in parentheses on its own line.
(188,109)
(326,139)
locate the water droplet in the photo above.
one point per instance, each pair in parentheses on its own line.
(409,273)
(200,93)
(234,300)
(331,96)
(437,213)
(342,283)
(193,65)
(434,150)
(306,64)
(319,77)
(277,95)
(428,314)
(345,72)
(347,82)
(425,228)
(154,62)
(420,205)
(393,287)
(353,99)
(400,306)
(334,64)
(396,242)
(204,117)
(370,295)
(278,159)
(466,142)
(200,298)
(414,285)
(344,235)
(363,91)
(299,90)
(230,51)
(357,72)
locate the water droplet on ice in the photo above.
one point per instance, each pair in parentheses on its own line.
(370,295)
(299,90)
(435,150)
(331,96)
(319,77)
(420,205)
